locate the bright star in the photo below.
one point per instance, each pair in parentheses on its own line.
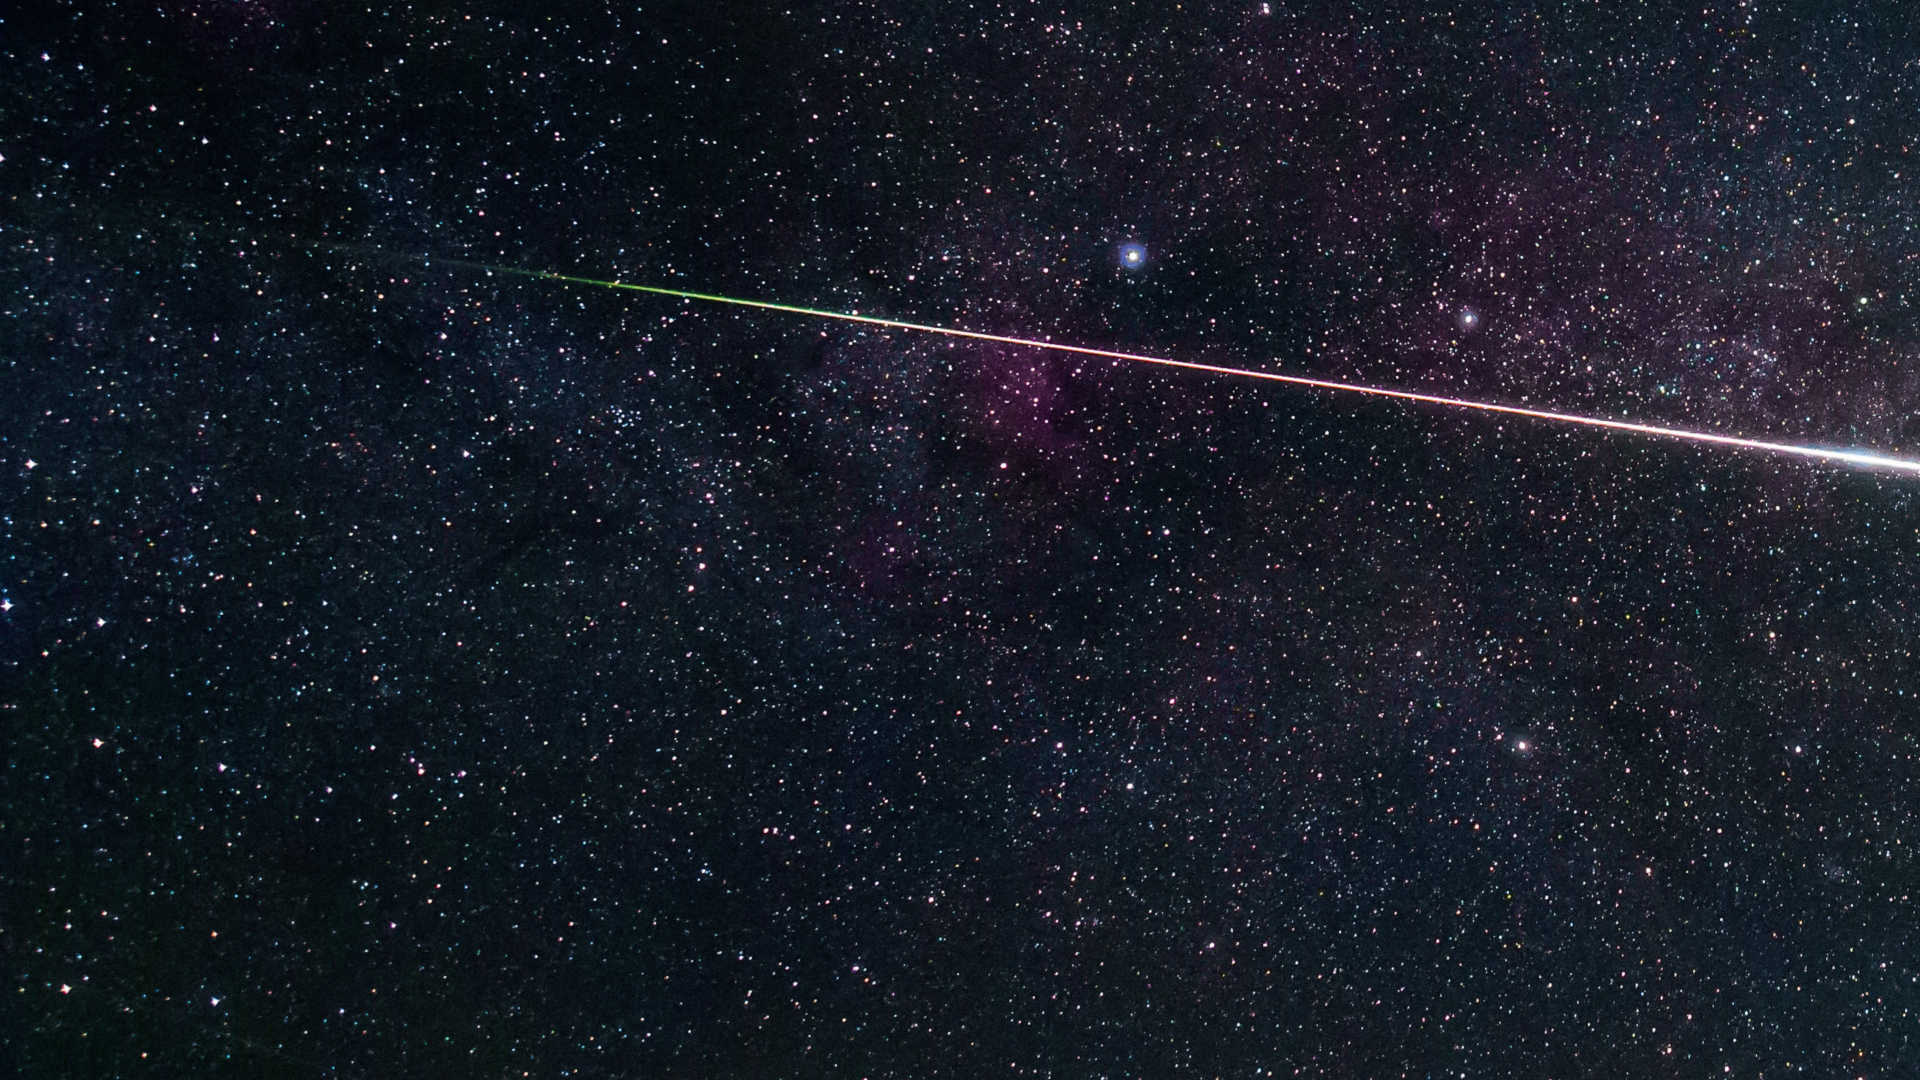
(1133,256)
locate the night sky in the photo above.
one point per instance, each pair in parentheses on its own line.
(412,669)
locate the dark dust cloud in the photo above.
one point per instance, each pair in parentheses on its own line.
(414,671)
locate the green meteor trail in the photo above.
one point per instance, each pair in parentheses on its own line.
(1865,459)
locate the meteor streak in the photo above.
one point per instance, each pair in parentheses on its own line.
(1859,458)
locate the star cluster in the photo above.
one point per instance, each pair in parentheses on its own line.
(414,668)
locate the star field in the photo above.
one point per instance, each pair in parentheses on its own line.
(413,668)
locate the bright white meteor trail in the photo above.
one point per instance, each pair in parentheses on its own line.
(1859,458)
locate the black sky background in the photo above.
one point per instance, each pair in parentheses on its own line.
(410,669)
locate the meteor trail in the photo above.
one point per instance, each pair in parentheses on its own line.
(1860,458)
